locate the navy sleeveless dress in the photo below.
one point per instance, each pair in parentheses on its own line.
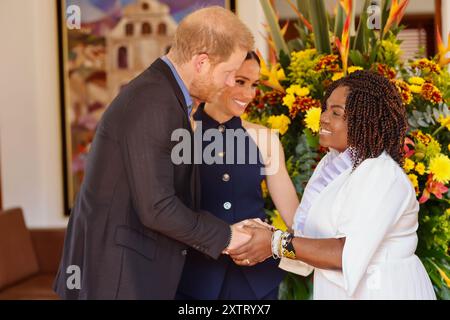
(233,193)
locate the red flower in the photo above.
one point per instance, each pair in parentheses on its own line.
(408,152)
(432,187)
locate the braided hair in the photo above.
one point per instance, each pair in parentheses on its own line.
(375,116)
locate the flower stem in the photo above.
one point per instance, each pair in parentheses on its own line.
(437,131)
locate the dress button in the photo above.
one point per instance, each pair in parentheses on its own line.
(221,128)
(227,205)
(184,252)
(226,177)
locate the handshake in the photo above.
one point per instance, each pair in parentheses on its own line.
(251,242)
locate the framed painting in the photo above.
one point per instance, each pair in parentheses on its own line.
(103,44)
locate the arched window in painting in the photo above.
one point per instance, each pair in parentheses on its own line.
(146,28)
(129,29)
(162,29)
(122,58)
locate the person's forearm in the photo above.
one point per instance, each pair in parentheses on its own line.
(320,253)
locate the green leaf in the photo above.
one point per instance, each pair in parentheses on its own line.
(356,58)
(303,7)
(339,21)
(319,21)
(285,60)
(275,31)
(362,34)
(313,140)
(374,53)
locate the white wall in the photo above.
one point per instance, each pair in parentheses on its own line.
(30,135)
(251,12)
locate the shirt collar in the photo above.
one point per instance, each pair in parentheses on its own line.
(187,96)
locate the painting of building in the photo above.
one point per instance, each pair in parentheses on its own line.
(116,41)
(143,34)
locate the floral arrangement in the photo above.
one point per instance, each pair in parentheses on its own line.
(289,99)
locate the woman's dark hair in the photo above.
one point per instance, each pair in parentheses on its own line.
(251,55)
(375,116)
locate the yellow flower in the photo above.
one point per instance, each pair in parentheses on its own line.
(413,178)
(273,75)
(416,80)
(445,122)
(304,54)
(448,147)
(337,76)
(292,93)
(281,75)
(280,122)
(244,116)
(264,189)
(391,47)
(297,90)
(444,276)
(289,100)
(420,168)
(302,92)
(440,168)
(312,119)
(353,69)
(415,88)
(278,222)
(409,165)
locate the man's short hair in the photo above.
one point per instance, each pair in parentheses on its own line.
(215,31)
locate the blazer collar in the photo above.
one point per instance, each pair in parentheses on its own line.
(160,65)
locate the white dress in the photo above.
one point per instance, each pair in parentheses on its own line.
(376,210)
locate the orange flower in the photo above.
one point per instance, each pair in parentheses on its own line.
(432,187)
(344,44)
(426,65)
(386,71)
(327,63)
(431,93)
(395,13)
(404,90)
(442,51)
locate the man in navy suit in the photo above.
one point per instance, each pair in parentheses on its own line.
(137,212)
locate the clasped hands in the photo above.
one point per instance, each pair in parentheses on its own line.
(250,242)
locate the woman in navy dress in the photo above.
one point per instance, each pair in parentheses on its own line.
(231,190)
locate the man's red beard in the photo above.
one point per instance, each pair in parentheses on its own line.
(204,89)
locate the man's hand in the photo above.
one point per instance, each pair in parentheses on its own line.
(257,249)
(239,237)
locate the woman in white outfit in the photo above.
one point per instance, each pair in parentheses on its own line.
(356,224)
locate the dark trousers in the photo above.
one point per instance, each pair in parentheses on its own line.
(235,287)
